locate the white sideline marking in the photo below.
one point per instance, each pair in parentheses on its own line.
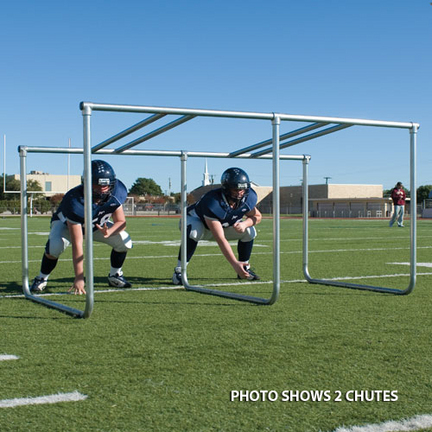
(218,254)
(49,399)
(107,290)
(176,287)
(4,357)
(177,243)
(416,423)
(407,264)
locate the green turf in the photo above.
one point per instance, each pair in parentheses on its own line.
(167,360)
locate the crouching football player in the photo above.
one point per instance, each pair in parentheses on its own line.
(227,213)
(67,227)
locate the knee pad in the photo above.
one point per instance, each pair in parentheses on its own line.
(196,231)
(123,243)
(56,246)
(249,234)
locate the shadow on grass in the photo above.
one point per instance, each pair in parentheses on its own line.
(165,303)
(11,288)
(59,285)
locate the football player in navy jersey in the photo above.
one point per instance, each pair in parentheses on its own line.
(227,213)
(67,227)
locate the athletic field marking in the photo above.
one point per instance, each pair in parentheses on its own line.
(4,357)
(40,400)
(416,423)
(176,287)
(177,243)
(107,290)
(407,263)
(218,254)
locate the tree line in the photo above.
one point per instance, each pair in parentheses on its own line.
(145,189)
(422,193)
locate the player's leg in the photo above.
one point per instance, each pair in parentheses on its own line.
(244,247)
(394,216)
(58,241)
(401,216)
(121,243)
(196,231)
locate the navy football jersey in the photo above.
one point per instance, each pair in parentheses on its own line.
(72,206)
(214,205)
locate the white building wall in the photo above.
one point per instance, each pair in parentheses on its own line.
(354,191)
(53,184)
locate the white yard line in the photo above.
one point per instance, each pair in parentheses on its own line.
(407,264)
(255,253)
(175,287)
(4,357)
(416,423)
(40,400)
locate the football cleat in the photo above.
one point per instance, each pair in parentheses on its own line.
(252,275)
(38,285)
(118,281)
(177,278)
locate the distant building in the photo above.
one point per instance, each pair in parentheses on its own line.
(52,184)
(325,200)
(206,176)
(334,200)
(262,191)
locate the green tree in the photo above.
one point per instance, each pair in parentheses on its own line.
(2,194)
(177,198)
(14,185)
(145,186)
(34,185)
(423,193)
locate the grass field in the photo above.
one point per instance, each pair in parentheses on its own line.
(168,359)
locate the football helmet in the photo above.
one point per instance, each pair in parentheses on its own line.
(235,178)
(102,175)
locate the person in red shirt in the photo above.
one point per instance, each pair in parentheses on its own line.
(398,196)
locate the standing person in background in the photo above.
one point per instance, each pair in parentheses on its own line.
(67,226)
(398,196)
(227,213)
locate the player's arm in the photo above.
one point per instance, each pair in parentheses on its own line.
(253,218)
(218,234)
(76,236)
(119,224)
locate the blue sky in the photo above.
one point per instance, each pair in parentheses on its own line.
(360,59)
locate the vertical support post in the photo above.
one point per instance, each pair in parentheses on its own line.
(88,224)
(183,194)
(413,193)
(413,236)
(305,215)
(24,244)
(276,209)
(24,227)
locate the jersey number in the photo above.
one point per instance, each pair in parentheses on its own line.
(104,219)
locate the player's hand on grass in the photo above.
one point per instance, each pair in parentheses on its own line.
(239,267)
(78,286)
